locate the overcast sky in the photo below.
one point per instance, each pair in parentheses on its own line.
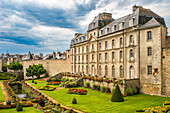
(44,26)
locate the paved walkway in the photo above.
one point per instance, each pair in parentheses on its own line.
(53,100)
(4,91)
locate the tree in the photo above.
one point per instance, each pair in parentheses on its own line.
(15,66)
(35,70)
(4,67)
(117,95)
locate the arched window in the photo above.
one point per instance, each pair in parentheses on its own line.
(113,43)
(100,69)
(131,40)
(82,69)
(121,71)
(87,69)
(131,72)
(78,69)
(131,53)
(106,71)
(105,44)
(113,71)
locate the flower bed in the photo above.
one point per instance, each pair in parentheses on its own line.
(157,109)
(47,88)
(53,83)
(77,91)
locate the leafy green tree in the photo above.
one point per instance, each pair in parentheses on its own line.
(15,66)
(4,67)
(35,70)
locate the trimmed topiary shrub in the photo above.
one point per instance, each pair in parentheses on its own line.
(35,82)
(87,84)
(94,86)
(128,91)
(103,89)
(74,101)
(74,84)
(117,95)
(19,107)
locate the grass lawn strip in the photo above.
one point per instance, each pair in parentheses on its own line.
(96,101)
(26,110)
(1,95)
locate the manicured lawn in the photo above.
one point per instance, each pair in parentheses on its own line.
(99,102)
(26,110)
(1,95)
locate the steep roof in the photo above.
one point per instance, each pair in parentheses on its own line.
(150,23)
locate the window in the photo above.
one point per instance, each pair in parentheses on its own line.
(92,46)
(92,56)
(121,56)
(75,51)
(99,45)
(149,51)
(75,58)
(93,24)
(83,58)
(99,57)
(114,27)
(94,33)
(131,53)
(86,49)
(100,69)
(72,59)
(78,69)
(121,71)
(79,39)
(121,42)
(76,40)
(82,68)
(82,49)
(106,71)
(79,58)
(149,70)
(107,30)
(105,57)
(113,43)
(123,25)
(83,38)
(74,69)
(72,51)
(131,72)
(113,71)
(113,56)
(149,35)
(105,44)
(133,21)
(87,70)
(86,58)
(101,32)
(131,40)
(79,50)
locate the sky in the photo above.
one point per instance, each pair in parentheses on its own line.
(44,26)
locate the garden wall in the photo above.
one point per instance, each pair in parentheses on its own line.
(131,83)
(53,66)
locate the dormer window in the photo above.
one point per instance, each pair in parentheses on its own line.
(123,25)
(133,21)
(80,39)
(83,38)
(101,32)
(93,24)
(76,40)
(107,30)
(114,27)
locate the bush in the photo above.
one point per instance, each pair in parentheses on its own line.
(108,90)
(35,82)
(53,79)
(117,95)
(94,86)
(32,81)
(103,89)
(41,102)
(74,101)
(135,91)
(58,105)
(74,84)
(113,90)
(19,107)
(87,84)
(128,91)
(98,87)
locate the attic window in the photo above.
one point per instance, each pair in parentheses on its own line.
(83,38)
(114,27)
(123,24)
(101,32)
(76,40)
(93,24)
(107,30)
(133,21)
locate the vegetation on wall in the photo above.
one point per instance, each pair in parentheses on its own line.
(4,67)
(15,66)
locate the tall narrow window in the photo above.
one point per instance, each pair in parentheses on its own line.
(149,70)
(121,56)
(121,71)
(131,72)
(149,35)
(74,69)
(92,47)
(105,57)
(114,27)
(79,58)
(131,53)
(100,69)
(131,39)
(99,46)
(106,71)
(83,58)
(105,44)
(86,58)
(87,70)
(113,56)
(99,57)
(82,49)
(92,56)
(82,69)
(149,51)
(101,32)
(107,30)
(78,69)
(113,43)
(86,49)
(113,71)
(123,25)
(121,42)
(79,50)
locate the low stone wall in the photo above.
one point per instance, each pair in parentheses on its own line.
(131,83)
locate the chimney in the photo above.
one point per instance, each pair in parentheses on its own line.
(134,8)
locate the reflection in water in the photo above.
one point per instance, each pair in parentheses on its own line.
(17,88)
